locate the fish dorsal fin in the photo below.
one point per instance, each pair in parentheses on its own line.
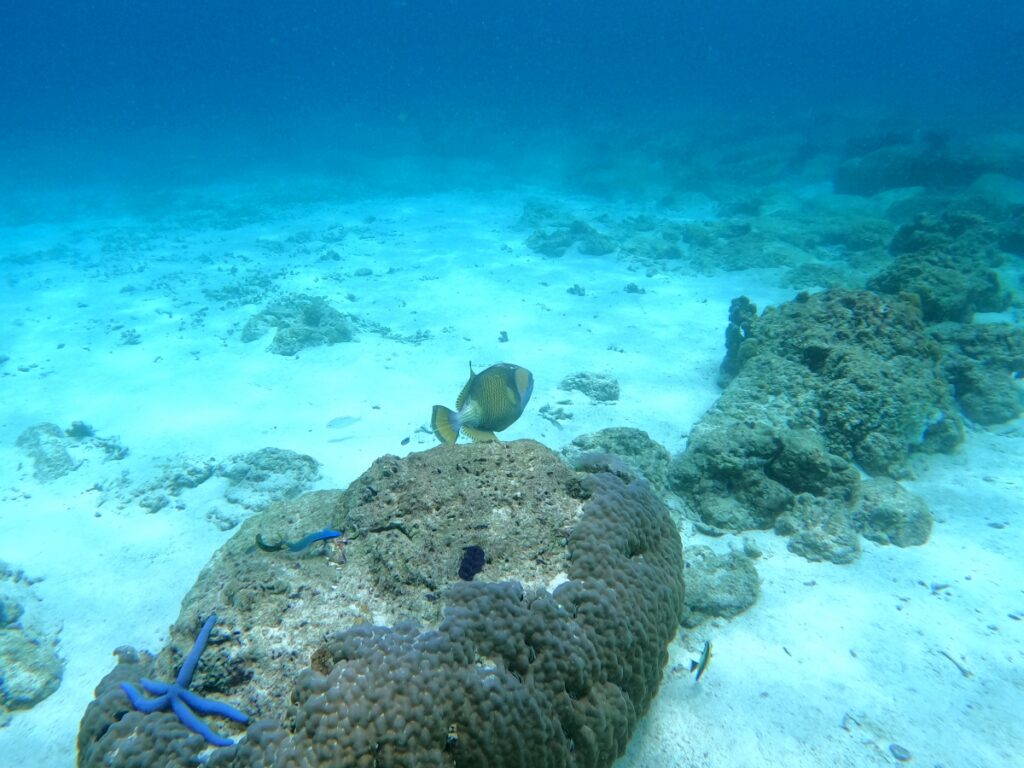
(465,390)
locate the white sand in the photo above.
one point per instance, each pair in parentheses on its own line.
(824,646)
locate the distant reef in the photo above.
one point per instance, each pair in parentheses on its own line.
(298,321)
(250,481)
(932,160)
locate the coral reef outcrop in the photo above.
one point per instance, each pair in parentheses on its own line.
(371,651)
(818,390)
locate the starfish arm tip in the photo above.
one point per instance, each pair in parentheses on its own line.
(191,721)
(188,667)
(140,702)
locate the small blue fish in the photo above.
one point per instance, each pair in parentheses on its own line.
(301,544)
(489,402)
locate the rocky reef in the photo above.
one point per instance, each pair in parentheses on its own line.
(30,667)
(369,649)
(298,321)
(818,390)
(948,262)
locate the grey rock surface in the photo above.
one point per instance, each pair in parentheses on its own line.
(718,586)
(599,387)
(47,446)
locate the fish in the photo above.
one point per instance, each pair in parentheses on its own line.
(700,665)
(491,401)
(301,544)
(342,421)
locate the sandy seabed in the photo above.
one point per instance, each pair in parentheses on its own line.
(132,325)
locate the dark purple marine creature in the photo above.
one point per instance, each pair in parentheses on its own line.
(472,562)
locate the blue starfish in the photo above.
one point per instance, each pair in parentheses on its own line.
(181,700)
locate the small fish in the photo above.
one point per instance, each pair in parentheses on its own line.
(301,544)
(341,422)
(491,401)
(700,665)
(472,562)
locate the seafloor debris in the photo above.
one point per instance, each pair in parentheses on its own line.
(298,321)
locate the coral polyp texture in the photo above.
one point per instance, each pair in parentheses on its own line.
(385,657)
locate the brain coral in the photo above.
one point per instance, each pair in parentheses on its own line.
(505,675)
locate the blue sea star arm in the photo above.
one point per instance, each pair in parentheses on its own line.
(188,667)
(154,686)
(212,707)
(191,721)
(141,703)
(183,702)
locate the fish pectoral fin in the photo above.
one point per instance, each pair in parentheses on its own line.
(445,423)
(479,435)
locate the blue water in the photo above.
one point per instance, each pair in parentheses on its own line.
(573,185)
(143,90)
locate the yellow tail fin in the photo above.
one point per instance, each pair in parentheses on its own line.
(445,423)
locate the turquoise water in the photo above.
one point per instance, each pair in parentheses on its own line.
(246,248)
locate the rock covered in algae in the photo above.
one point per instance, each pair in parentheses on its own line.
(718,585)
(47,445)
(890,514)
(372,651)
(599,387)
(818,390)
(984,364)
(948,262)
(299,321)
(30,667)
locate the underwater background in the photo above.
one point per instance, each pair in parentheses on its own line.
(142,92)
(769,255)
